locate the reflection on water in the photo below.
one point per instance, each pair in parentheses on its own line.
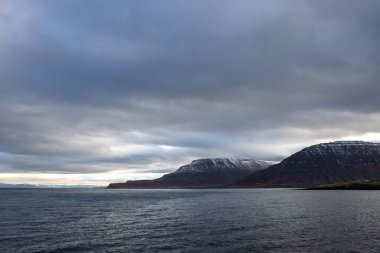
(231,220)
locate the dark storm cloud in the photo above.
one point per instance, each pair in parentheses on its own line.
(159,82)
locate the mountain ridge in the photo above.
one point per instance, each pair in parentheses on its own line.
(323,163)
(206,172)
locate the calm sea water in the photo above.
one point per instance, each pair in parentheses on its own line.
(243,220)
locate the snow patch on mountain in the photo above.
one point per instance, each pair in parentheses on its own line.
(210,165)
(343,148)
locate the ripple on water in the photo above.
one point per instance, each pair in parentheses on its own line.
(231,220)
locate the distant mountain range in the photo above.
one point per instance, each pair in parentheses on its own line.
(3,185)
(325,163)
(209,172)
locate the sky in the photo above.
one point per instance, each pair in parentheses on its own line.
(93,92)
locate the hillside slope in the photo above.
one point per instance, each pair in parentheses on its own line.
(209,172)
(325,163)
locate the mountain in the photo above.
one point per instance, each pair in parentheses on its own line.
(3,185)
(325,163)
(209,172)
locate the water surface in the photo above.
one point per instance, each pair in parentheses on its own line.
(229,220)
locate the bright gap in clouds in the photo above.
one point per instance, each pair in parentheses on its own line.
(95,179)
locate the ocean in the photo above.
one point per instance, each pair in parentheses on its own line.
(217,220)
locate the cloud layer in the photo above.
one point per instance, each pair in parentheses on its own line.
(141,87)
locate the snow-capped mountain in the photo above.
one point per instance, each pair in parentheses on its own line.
(323,163)
(208,172)
(209,165)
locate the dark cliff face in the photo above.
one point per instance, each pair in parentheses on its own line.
(321,164)
(202,173)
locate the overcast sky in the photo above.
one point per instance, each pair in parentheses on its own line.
(93,92)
